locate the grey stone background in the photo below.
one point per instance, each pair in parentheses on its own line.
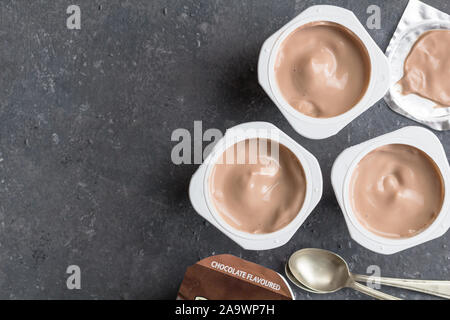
(86,119)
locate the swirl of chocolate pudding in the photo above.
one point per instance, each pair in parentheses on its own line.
(322,69)
(396,191)
(427,68)
(261,190)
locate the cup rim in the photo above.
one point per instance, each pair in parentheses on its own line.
(303,213)
(429,231)
(358,30)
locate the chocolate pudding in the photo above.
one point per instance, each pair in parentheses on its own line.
(427,68)
(322,69)
(396,191)
(259,192)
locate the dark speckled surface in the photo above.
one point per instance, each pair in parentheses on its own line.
(86,121)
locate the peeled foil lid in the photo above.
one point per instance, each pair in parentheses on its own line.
(417,19)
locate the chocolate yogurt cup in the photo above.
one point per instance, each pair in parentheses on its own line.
(205,203)
(308,117)
(427,145)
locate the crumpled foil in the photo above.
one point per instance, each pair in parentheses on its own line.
(417,18)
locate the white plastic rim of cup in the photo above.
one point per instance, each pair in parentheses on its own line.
(321,128)
(342,173)
(199,191)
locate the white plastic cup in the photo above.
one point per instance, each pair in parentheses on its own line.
(342,173)
(199,191)
(321,128)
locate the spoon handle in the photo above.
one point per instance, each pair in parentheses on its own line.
(372,292)
(433,287)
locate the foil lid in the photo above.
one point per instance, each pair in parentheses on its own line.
(226,277)
(417,19)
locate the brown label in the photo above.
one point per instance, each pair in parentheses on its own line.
(226,277)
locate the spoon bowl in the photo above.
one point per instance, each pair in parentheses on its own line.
(295,281)
(319,270)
